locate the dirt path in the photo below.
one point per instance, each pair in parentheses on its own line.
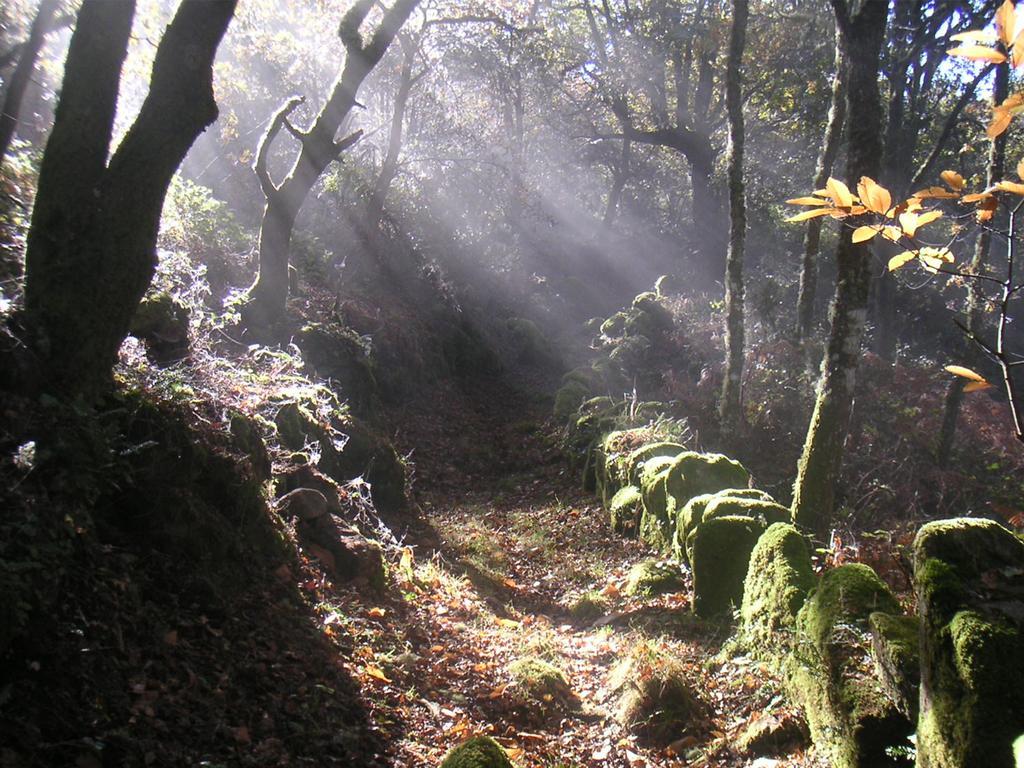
(513,545)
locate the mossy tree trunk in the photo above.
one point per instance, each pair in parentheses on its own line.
(975,299)
(861,36)
(318,148)
(730,407)
(91,246)
(19,79)
(826,159)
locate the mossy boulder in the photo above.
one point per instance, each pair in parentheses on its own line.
(852,719)
(477,752)
(162,322)
(896,649)
(656,701)
(568,399)
(625,510)
(247,432)
(589,606)
(527,344)
(630,353)
(336,352)
(637,460)
(693,474)
(779,578)
(654,577)
(719,560)
(969,580)
(539,688)
(655,523)
(686,519)
(615,325)
(611,456)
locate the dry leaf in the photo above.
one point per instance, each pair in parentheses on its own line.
(967,373)
(377,613)
(376,672)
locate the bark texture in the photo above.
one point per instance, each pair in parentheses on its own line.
(730,407)
(91,247)
(814,493)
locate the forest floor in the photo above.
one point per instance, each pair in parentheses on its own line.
(513,541)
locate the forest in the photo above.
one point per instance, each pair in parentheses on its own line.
(511,383)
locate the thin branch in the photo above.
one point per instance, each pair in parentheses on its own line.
(279,121)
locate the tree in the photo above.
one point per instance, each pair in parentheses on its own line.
(318,148)
(730,405)
(91,247)
(19,80)
(860,34)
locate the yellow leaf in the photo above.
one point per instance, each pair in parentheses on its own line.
(928,217)
(840,193)
(1020,169)
(1004,113)
(892,233)
(953,179)
(807,201)
(508,623)
(1013,187)
(908,221)
(376,672)
(863,234)
(975,197)
(811,214)
(497,692)
(935,192)
(898,261)
(974,386)
(967,373)
(933,259)
(874,196)
(377,613)
(1005,22)
(975,35)
(978,53)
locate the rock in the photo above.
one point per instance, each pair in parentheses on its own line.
(302,503)
(638,459)
(589,606)
(335,351)
(772,735)
(527,344)
(655,700)
(477,752)
(686,520)
(969,580)
(693,474)
(611,459)
(852,720)
(655,524)
(343,552)
(653,577)
(540,688)
(779,578)
(568,399)
(720,555)
(625,510)
(745,502)
(896,649)
(162,323)
(615,325)
(247,436)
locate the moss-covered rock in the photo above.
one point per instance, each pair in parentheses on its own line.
(589,606)
(638,459)
(852,719)
(539,688)
(691,514)
(568,399)
(625,510)
(527,344)
(162,323)
(611,457)
(969,578)
(653,577)
(630,353)
(615,325)
(655,699)
(719,559)
(477,752)
(655,523)
(336,352)
(896,649)
(779,578)
(693,474)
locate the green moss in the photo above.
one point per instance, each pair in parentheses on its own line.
(539,687)
(968,576)
(655,525)
(693,474)
(653,577)
(625,510)
(611,458)
(768,512)
(527,344)
(630,352)
(477,752)
(636,460)
(584,376)
(852,719)
(568,400)
(615,325)
(163,323)
(336,352)
(779,578)
(589,606)
(691,514)
(719,559)
(896,650)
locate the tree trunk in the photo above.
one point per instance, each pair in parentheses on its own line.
(620,175)
(389,167)
(730,409)
(827,159)
(22,74)
(318,149)
(91,247)
(975,299)
(814,493)
(707,213)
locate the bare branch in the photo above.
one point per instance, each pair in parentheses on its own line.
(279,120)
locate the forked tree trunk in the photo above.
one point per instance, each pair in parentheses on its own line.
(975,299)
(814,493)
(19,80)
(730,409)
(826,159)
(91,245)
(266,299)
